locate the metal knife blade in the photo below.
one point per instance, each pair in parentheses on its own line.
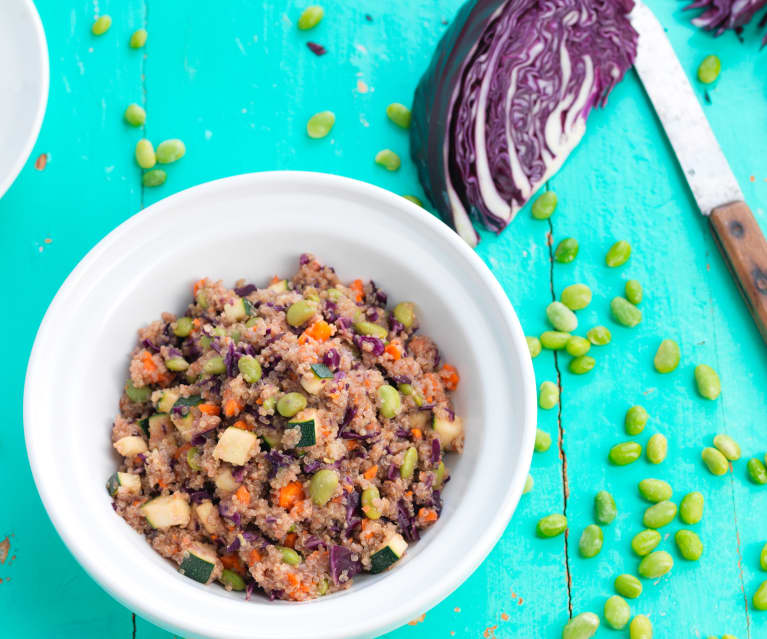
(703,163)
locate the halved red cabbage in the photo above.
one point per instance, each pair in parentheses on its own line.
(506,97)
(720,15)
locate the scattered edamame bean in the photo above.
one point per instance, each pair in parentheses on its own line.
(727,446)
(566,251)
(168,151)
(633,291)
(576,296)
(760,597)
(645,542)
(582,626)
(250,368)
(183,327)
(618,254)
(763,558)
(605,509)
(409,462)
(635,420)
(415,200)
(617,612)
(667,356)
(135,115)
(657,448)
(728,636)
(399,114)
(715,461)
(577,346)
(138,39)
(289,556)
(625,313)
(591,540)
(390,402)
(542,441)
(404,313)
(145,156)
(300,312)
(101,25)
(388,159)
(290,404)
(232,579)
(554,340)
(625,453)
(548,395)
(709,69)
(310,17)
(628,586)
(689,544)
(137,394)
(529,483)
(656,564)
(691,508)
(176,364)
(707,381)
(640,628)
(544,206)
(660,514)
(551,525)
(582,364)
(655,490)
(599,335)
(561,317)
(757,471)
(533,345)
(369,495)
(320,124)
(322,486)
(155,177)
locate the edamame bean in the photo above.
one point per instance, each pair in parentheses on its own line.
(300,312)
(599,335)
(628,586)
(322,486)
(183,327)
(101,25)
(529,483)
(408,463)
(138,39)
(757,471)
(290,404)
(404,313)
(727,446)
(707,381)
(581,365)
(728,636)
(310,17)
(320,124)
(561,317)
(605,509)
(625,453)
(388,159)
(399,114)
(617,612)
(232,580)
(542,441)
(544,206)
(660,514)
(168,151)
(635,420)
(689,544)
(548,396)
(590,543)
(645,542)
(176,364)
(137,394)
(135,115)
(390,403)
(214,366)
(554,340)
(625,313)
(763,558)
(369,495)
(656,564)
(633,291)
(667,356)
(760,597)
(691,508)
(709,69)
(640,628)
(144,153)
(534,346)
(250,368)
(655,490)
(193,458)
(551,525)
(415,200)
(440,475)
(618,254)
(657,448)
(363,327)
(715,461)
(576,297)
(577,346)
(155,177)
(582,626)
(289,556)
(566,251)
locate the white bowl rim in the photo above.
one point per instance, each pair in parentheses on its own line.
(460,569)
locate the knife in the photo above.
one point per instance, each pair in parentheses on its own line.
(705,168)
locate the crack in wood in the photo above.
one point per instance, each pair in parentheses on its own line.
(133,620)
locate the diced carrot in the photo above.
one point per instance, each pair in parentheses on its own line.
(351,444)
(364,523)
(274,279)
(290,540)
(242,494)
(358,288)
(181,450)
(254,557)
(161,483)
(291,494)
(292,579)
(409,493)
(394,351)
(302,339)
(233,562)
(242,425)
(370,472)
(209,409)
(319,331)
(196,323)
(148,362)
(232,407)
(450,376)
(198,285)
(427,515)
(417,434)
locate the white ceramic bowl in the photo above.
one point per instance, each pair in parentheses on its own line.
(254,226)
(23,85)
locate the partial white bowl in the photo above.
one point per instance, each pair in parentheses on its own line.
(23,85)
(254,226)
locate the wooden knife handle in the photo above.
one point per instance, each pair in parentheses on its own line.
(745,249)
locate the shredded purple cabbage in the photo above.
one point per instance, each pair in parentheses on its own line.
(304,259)
(313,542)
(436,451)
(721,15)
(406,522)
(244,291)
(234,546)
(401,379)
(342,566)
(331,359)
(150,346)
(277,461)
(396,327)
(238,474)
(230,361)
(376,345)
(352,504)
(198,496)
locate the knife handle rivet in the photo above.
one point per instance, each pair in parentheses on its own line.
(760,280)
(736,228)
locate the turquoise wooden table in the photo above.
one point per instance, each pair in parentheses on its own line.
(236,81)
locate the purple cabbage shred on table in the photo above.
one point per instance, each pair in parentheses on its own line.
(720,15)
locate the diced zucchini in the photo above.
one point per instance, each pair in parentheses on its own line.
(185,425)
(306,421)
(225,482)
(418,419)
(322,371)
(388,554)
(232,580)
(176,364)
(279,287)
(166,511)
(250,310)
(130,446)
(193,458)
(166,401)
(124,483)
(206,513)
(268,441)
(312,385)
(192,400)
(198,564)
(159,427)
(235,311)
(144,425)
(137,394)
(447,430)
(236,446)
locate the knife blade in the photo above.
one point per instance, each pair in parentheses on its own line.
(705,167)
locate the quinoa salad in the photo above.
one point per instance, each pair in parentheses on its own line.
(283,439)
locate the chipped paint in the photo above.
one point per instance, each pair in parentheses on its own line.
(417,620)
(41,161)
(5,548)
(361,86)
